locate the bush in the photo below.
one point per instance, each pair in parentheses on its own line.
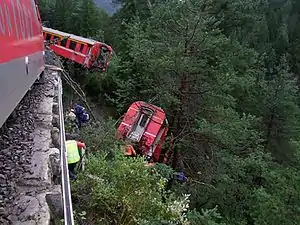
(124,191)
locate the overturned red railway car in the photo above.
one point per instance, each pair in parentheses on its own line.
(145,126)
(22,50)
(91,54)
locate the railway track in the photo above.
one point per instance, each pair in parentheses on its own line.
(31,159)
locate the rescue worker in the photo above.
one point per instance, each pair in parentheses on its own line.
(70,121)
(177,176)
(129,150)
(177,164)
(74,155)
(180,177)
(81,115)
(71,115)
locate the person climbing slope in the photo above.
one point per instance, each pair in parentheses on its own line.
(74,155)
(81,114)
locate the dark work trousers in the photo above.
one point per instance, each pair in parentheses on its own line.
(78,122)
(72,172)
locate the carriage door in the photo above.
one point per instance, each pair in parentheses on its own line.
(141,125)
(157,144)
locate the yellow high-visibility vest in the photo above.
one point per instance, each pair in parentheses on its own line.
(72,152)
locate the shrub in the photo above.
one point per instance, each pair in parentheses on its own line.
(124,191)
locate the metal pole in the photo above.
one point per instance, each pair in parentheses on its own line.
(66,191)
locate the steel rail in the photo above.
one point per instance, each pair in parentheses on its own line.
(66,191)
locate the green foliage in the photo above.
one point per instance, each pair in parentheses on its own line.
(124,191)
(206,217)
(100,137)
(278,201)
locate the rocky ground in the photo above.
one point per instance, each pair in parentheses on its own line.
(28,157)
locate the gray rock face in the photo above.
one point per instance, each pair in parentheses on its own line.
(55,121)
(30,210)
(29,165)
(55,203)
(55,137)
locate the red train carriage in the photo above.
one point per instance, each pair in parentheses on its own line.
(145,126)
(22,50)
(87,52)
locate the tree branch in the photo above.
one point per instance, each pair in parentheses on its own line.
(194,30)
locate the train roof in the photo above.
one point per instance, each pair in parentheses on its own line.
(72,36)
(139,104)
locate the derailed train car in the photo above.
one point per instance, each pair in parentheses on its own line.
(145,126)
(144,129)
(22,52)
(91,54)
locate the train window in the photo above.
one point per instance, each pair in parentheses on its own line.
(143,120)
(48,37)
(63,42)
(81,47)
(104,50)
(72,45)
(56,38)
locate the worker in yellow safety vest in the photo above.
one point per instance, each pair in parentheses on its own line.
(74,155)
